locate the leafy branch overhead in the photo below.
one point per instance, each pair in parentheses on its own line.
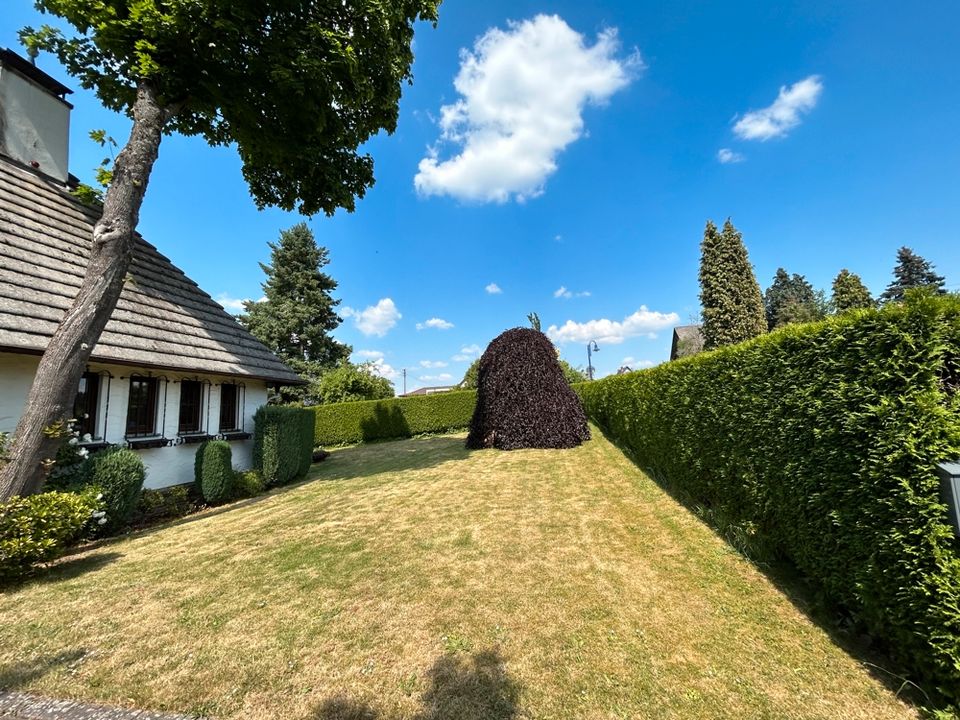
(298,86)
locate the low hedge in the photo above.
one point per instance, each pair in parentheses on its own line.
(821,440)
(353,422)
(38,528)
(282,443)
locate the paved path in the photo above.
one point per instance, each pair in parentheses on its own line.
(20,706)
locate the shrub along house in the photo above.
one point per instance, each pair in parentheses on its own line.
(172,367)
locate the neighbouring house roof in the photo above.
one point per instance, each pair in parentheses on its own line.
(431,390)
(163,319)
(687,340)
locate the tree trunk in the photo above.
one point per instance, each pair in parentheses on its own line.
(55,385)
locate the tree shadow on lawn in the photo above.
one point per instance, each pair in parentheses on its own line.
(18,675)
(393,456)
(803,595)
(66,567)
(474,687)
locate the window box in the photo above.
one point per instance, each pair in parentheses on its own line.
(95,446)
(143,443)
(235,435)
(191,438)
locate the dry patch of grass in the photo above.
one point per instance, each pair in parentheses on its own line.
(415,579)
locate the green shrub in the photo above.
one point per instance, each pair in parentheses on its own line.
(247,483)
(822,439)
(282,443)
(354,422)
(213,466)
(38,528)
(165,504)
(119,474)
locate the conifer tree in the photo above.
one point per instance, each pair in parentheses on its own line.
(732,306)
(912,272)
(791,299)
(850,293)
(298,311)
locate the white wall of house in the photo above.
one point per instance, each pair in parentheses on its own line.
(165,465)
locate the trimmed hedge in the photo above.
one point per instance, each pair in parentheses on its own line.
(353,422)
(38,528)
(213,471)
(282,443)
(119,474)
(821,441)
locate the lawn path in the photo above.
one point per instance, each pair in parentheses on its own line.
(415,579)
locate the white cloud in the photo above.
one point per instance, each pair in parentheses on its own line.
(468,353)
(375,319)
(562,292)
(232,304)
(442,377)
(636,364)
(642,322)
(493,289)
(784,114)
(383,369)
(436,323)
(432,364)
(523,91)
(727,156)
(369,354)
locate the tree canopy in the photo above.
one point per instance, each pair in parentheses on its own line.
(850,293)
(791,299)
(570,374)
(298,312)
(351,383)
(732,306)
(912,272)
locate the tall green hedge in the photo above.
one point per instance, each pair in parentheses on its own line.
(213,471)
(282,442)
(822,439)
(343,423)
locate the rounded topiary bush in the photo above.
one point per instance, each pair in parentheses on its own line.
(523,399)
(119,474)
(214,471)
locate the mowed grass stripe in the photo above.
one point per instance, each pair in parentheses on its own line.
(415,579)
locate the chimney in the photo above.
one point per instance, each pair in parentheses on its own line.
(34,117)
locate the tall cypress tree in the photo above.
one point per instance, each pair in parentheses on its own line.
(850,293)
(911,272)
(729,293)
(298,312)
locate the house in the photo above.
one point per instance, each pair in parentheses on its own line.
(687,340)
(431,390)
(172,368)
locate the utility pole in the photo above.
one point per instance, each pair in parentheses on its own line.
(404,381)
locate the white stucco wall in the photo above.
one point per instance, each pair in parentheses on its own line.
(35,125)
(166,465)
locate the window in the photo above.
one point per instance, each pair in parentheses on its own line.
(142,409)
(228,407)
(191,401)
(85,404)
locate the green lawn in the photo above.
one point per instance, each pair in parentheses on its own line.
(415,579)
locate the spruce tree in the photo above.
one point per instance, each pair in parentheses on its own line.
(298,312)
(791,299)
(729,293)
(912,272)
(849,293)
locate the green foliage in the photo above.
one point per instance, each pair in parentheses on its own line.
(395,418)
(38,528)
(732,305)
(213,468)
(849,293)
(821,440)
(119,474)
(299,87)
(88,195)
(791,299)
(298,312)
(570,373)
(247,484)
(912,272)
(282,443)
(351,383)
(165,504)
(534,321)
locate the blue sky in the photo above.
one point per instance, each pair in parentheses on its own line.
(580,149)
